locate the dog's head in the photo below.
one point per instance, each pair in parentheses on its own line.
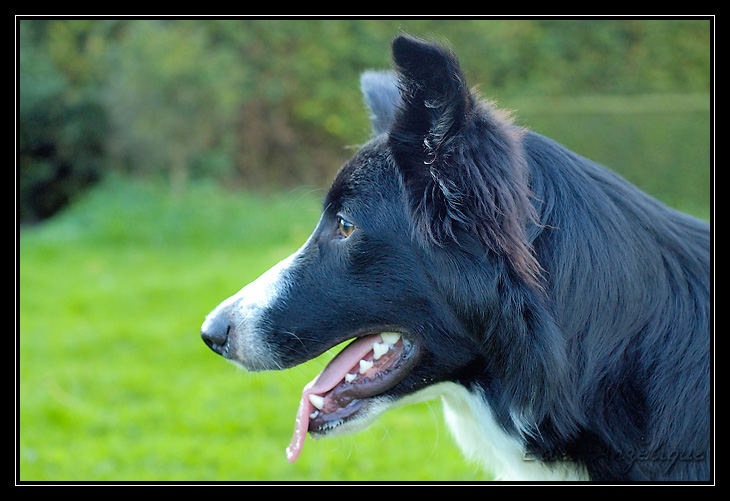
(419,230)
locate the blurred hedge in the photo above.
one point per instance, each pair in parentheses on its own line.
(262,103)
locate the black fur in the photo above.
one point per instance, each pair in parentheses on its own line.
(605,344)
(578,306)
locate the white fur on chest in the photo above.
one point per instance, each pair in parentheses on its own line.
(482,439)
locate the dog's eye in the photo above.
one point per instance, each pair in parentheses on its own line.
(344,227)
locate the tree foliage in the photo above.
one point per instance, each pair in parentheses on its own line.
(259,102)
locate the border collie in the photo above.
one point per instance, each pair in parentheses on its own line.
(561,314)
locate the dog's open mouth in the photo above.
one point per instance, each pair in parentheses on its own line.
(369,366)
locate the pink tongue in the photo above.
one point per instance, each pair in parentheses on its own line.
(325,381)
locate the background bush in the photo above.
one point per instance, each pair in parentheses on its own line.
(270,103)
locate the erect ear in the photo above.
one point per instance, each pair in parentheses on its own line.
(434,94)
(461,160)
(428,131)
(382,96)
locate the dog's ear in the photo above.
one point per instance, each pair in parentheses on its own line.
(461,159)
(382,96)
(435,97)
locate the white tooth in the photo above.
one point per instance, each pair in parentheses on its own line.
(350,377)
(379,349)
(365,365)
(317,401)
(314,415)
(390,337)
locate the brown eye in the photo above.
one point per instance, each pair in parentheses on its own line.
(344,227)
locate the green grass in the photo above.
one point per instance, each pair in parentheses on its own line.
(115,383)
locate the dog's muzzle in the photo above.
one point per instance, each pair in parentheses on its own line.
(234,329)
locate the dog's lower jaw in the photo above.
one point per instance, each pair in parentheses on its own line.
(372,409)
(483,440)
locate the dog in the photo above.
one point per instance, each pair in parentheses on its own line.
(561,314)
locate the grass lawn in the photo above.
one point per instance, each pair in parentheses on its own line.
(115,383)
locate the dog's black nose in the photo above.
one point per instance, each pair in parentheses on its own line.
(215,332)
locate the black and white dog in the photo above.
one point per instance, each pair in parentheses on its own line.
(561,314)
